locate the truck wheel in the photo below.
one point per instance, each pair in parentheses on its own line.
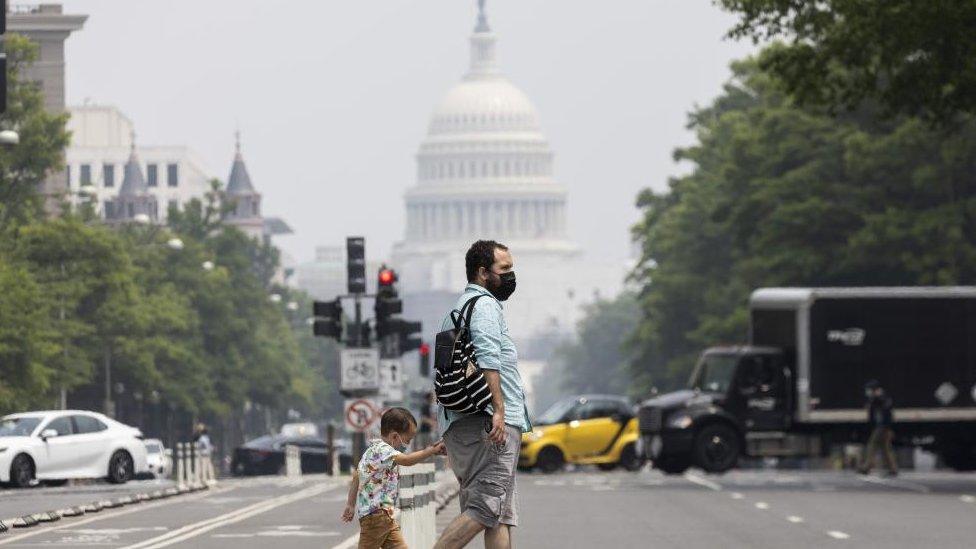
(550,460)
(672,465)
(629,459)
(716,448)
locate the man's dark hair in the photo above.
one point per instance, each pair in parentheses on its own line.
(481,254)
(396,420)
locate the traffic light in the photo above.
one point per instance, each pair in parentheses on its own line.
(356,264)
(424,360)
(409,341)
(328,319)
(388,303)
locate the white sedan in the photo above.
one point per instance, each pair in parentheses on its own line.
(54,446)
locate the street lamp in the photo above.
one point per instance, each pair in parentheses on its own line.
(9,138)
(208,265)
(292,305)
(141,219)
(276,298)
(175,244)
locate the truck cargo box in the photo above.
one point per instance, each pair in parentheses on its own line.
(919,343)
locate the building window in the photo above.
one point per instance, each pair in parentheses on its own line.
(85,174)
(108,175)
(254,209)
(173,205)
(172,175)
(152,175)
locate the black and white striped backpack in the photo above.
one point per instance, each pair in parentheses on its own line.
(459,383)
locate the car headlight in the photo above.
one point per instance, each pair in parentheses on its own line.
(680,421)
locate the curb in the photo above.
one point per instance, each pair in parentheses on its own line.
(34,519)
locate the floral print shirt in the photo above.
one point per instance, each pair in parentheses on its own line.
(379,479)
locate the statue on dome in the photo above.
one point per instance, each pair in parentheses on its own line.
(482,19)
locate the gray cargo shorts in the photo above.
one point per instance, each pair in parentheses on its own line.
(485,470)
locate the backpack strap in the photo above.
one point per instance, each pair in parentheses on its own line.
(458,315)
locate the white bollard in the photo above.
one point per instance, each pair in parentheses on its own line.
(180,473)
(293,461)
(417,506)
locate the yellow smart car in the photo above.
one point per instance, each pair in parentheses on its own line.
(589,429)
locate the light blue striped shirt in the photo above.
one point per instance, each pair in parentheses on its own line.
(495,350)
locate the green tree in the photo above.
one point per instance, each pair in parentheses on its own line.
(43,138)
(785,195)
(914,58)
(597,360)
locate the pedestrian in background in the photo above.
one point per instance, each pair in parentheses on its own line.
(880,415)
(201,438)
(483,448)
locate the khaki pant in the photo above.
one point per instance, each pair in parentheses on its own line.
(880,439)
(379,530)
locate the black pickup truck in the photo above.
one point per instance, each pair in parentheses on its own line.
(797,388)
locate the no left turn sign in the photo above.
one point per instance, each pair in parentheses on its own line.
(361,414)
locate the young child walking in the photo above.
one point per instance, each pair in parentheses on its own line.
(375,487)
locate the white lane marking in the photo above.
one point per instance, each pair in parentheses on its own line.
(113,513)
(762,505)
(794,519)
(702,481)
(197,528)
(903,484)
(837,534)
(348,543)
(737,495)
(966,498)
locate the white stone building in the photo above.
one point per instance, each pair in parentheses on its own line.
(485,171)
(101,145)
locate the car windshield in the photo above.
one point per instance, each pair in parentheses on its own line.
(556,412)
(714,373)
(18,426)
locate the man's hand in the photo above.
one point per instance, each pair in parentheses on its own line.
(497,433)
(348,514)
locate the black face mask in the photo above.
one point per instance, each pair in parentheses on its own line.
(506,286)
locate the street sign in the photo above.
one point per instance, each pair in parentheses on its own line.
(360,370)
(391,379)
(361,414)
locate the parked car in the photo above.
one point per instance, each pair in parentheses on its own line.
(588,429)
(54,446)
(266,455)
(158,460)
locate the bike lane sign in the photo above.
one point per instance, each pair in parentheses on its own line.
(360,370)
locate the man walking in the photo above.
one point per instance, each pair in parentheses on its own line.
(483,448)
(880,418)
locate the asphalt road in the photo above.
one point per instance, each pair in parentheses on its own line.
(573,509)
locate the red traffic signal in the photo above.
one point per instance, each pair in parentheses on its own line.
(424,349)
(387,277)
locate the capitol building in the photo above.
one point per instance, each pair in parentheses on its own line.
(485,171)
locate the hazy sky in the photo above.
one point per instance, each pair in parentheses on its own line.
(333,97)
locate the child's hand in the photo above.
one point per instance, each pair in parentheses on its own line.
(439,448)
(348,513)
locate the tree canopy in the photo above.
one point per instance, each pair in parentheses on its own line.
(913,58)
(788,195)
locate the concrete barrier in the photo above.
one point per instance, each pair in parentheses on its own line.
(418,507)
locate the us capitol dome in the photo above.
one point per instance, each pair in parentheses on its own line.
(485,171)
